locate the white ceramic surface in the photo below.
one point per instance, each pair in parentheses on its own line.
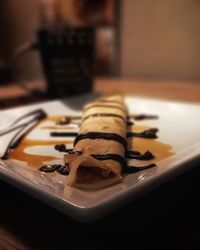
(179,126)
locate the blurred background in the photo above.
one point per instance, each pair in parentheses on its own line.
(50,48)
(141,39)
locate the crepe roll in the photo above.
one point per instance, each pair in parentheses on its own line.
(99,149)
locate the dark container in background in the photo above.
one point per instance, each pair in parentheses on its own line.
(67,55)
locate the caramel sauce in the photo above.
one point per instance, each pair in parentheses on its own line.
(159,149)
(53,118)
(34,161)
(57,119)
(139,128)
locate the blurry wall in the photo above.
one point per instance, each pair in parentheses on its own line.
(20,24)
(160,38)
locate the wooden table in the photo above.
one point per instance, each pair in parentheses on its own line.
(168,216)
(187,91)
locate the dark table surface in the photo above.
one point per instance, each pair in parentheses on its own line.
(165,218)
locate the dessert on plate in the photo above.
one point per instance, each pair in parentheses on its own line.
(99,149)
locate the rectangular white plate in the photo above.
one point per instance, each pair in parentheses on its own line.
(179,127)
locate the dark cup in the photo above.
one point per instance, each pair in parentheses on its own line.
(68,57)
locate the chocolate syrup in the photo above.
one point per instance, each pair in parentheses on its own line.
(99,135)
(17,138)
(62,148)
(150,133)
(114,157)
(140,117)
(63,134)
(63,170)
(123,163)
(129,123)
(39,114)
(48,168)
(125,168)
(137,155)
(120,159)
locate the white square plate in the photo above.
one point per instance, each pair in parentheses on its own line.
(179,137)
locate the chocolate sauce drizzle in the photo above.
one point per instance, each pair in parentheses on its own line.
(129,123)
(99,135)
(129,154)
(24,128)
(114,157)
(125,168)
(63,170)
(137,155)
(140,117)
(63,134)
(39,114)
(63,148)
(149,133)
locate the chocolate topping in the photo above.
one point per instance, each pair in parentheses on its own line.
(63,170)
(63,134)
(62,148)
(129,123)
(140,117)
(114,157)
(137,155)
(150,133)
(99,135)
(39,114)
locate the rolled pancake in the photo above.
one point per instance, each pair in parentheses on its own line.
(99,148)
